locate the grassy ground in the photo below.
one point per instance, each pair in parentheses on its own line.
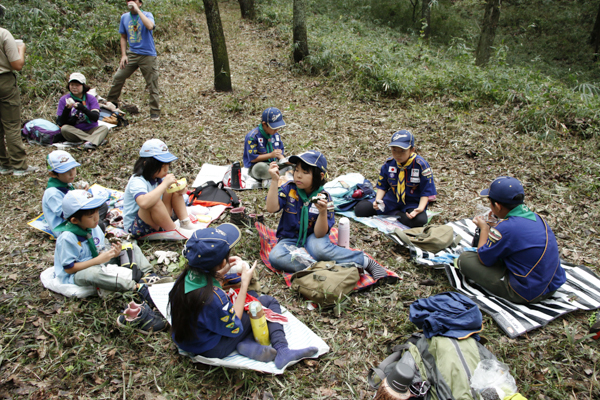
(54,347)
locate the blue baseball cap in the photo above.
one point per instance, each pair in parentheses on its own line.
(207,248)
(76,200)
(504,189)
(311,157)
(158,149)
(60,161)
(273,117)
(403,139)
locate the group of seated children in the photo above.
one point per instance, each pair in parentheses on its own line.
(517,259)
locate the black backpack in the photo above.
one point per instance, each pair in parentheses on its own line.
(213,194)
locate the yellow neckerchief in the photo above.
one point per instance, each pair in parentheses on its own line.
(401,189)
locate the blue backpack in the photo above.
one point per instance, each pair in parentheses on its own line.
(41,131)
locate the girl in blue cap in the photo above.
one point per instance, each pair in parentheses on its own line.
(306,221)
(404,185)
(205,321)
(147,208)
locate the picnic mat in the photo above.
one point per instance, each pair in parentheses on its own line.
(216,173)
(383,223)
(297,334)
(115,200)
(268,240)
(581,291)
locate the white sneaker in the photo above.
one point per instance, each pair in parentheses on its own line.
(22,172)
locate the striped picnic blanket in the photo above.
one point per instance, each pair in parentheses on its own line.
(581,291)
(268,240)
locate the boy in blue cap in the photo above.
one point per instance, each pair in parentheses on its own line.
(517,259)
(79,255)
(263,144)
(404,186)
(62,169)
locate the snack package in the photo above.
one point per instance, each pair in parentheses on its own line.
(179,185)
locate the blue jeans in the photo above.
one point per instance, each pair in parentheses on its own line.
(321,249)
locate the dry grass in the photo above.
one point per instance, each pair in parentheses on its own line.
(54,347)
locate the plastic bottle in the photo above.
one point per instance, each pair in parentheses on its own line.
(344,233)
(258,321)
(236,175)
(396,384)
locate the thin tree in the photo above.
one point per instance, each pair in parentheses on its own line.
(426,17)
(488,32)
(218,45)
(247,9)
(300,38)
(595,36)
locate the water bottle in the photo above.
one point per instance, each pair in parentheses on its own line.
(344,233)
(236,175)
(258,321)
(396,385)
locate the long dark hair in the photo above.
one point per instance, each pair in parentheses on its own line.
(185,307)
(317,181)
(147,167)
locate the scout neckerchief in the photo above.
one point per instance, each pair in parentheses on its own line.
(401,189)
(82,101)
(521,211)
(60,185)
(267,137)
(304,214)
(195,280)
(68,226)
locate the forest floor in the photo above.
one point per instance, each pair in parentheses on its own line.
(57,347)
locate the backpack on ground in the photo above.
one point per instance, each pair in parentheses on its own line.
(41,131)
(326,282)
(432,238)
(213,194)
(447,364)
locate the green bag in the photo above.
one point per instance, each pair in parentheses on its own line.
(432,238)
(325,282)
(447,364)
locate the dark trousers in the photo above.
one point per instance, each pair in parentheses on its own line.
(364,208)
(12,150)
(228,344)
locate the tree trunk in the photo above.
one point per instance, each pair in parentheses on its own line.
(247,9)
(595,36)
(488,32)
(426,17)
(300,37)
(218,45)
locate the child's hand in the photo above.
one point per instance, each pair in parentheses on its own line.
(247,272)
(274,170)
(114,251)
(321,206)
(480,222)
(375,206)
(169,180)
(277,153)
(413,213)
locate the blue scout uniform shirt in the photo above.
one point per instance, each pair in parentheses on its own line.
(255,145)
(290,202)
(520,243)
(216,319)
(52,206)
(136,187)
(418,179)
(140,39)
(71,249)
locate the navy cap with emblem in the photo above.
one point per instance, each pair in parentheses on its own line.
(312,157)
(207,248)
(504,189)
(273,117)
(403,139)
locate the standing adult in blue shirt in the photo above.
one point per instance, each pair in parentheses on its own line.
(136,29)
(517,259)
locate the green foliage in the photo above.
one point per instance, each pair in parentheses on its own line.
(63,36)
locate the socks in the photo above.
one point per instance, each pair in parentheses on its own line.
(186,224)
(256,351)
(376,270)
(286,355)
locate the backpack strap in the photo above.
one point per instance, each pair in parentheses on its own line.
(235,202)
(434,376)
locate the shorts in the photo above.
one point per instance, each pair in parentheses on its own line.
(139,228)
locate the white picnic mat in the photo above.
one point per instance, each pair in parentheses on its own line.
(216,173)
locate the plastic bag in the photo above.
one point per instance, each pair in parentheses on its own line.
(301,255)
(492,374)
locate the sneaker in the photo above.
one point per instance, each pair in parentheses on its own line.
(6,170)
(142,318)
(152,279)
(89,146)
(23,172)
(144,295)
(155,117)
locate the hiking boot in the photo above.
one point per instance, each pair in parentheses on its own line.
(5,170)
(237,216)
(153,279)
(254,218)
(23,172)
(155,117)
(144,294)
(142,318)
